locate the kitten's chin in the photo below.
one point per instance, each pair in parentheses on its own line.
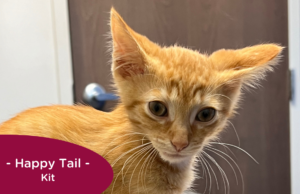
(175,158)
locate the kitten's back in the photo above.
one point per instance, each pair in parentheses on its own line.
(76,124)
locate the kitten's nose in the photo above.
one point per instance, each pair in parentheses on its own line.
(180,145)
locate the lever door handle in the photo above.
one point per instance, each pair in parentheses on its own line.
(96,96)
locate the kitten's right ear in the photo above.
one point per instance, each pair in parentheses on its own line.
(247,65)
(244,67)
(128,56)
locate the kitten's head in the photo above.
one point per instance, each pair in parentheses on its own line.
(181,98)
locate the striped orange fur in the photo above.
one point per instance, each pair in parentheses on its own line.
(154,135)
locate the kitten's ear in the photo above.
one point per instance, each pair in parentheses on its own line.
(128,56)
(248,65)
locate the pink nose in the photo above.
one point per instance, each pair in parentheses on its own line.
(179,145)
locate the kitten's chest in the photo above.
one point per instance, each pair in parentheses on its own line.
(148,175)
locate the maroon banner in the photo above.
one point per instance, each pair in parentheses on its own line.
(42,165)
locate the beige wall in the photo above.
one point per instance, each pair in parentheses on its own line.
(35,60)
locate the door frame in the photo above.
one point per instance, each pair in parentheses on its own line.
(294,65)
(62,43)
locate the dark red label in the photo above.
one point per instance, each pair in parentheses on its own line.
(42,165)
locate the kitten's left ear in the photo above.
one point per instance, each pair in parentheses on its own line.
(247,65)
(128,55)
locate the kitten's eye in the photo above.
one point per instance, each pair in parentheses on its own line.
(206,115)
(158,108)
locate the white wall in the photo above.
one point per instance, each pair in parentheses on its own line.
(294,62)
(35,59)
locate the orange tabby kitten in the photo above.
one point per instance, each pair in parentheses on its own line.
(174,101)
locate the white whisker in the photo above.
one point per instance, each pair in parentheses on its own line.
(204,172)
(133,159)
(243,185)
(120,146)
(138,165)
(237,135)
(211,150)
(142,168)
(153,160)
(223,174)
(131,133)
(214,175)
(114,162)
(151,156)
(210,182)
(140,151)
(236,148)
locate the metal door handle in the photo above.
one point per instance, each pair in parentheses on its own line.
(96,96)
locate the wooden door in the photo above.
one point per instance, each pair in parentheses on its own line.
(263,120)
